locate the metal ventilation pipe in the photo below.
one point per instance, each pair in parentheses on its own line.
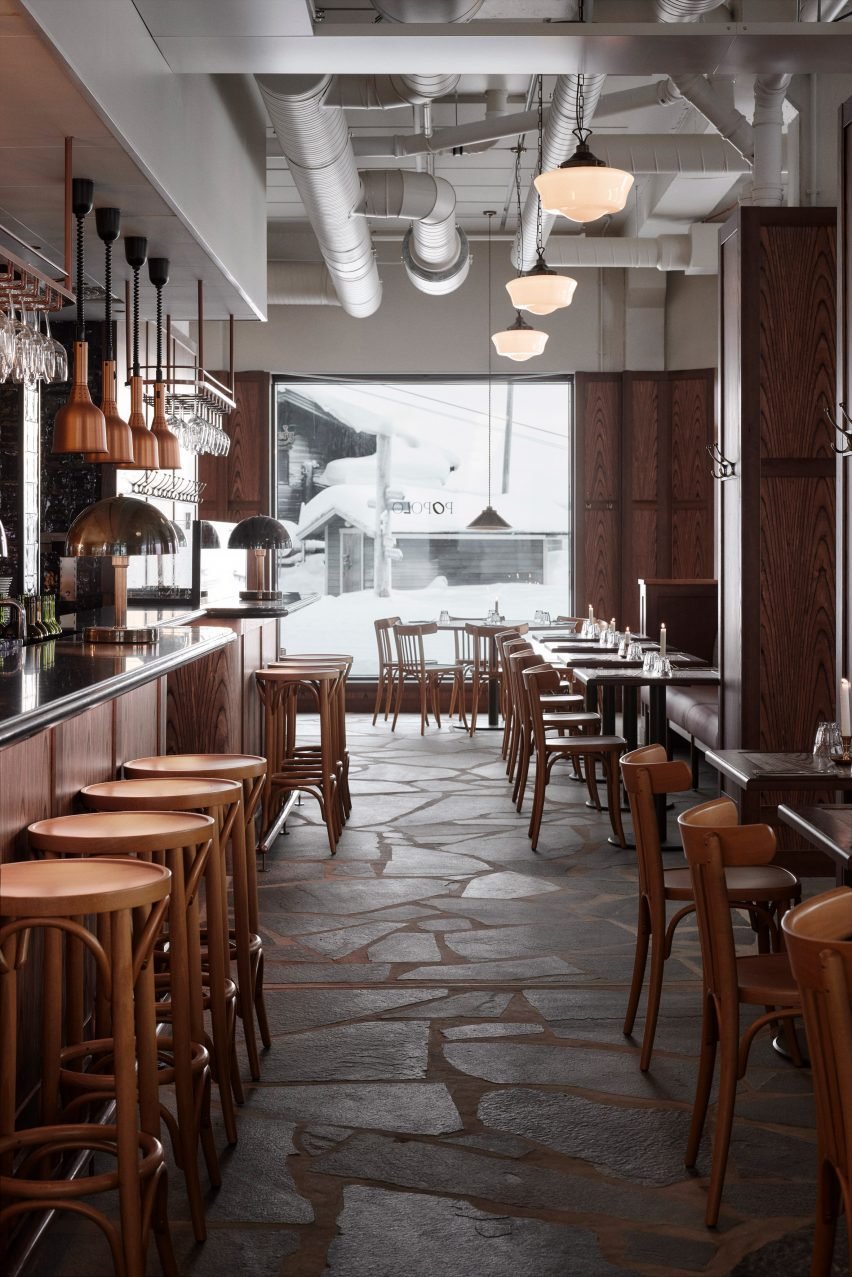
(697,253)
(769,94)
(557,144)
(730,122)
(385,92)
(434,250)
(315,141)
(683,10)
(427,10)
(300,284)
(821,10)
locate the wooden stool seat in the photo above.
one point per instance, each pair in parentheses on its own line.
(250,770)
(155,793)
(183,841)
(126,900)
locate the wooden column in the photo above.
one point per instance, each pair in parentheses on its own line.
(777,524)
(844,396)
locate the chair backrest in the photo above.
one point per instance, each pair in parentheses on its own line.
(504,637)
(383,628)
(536,680)
(479,638)
(409,646)
(713,840)
(819,941)
(576,621)
(646,772)
(512,666)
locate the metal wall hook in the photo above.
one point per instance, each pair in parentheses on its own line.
(845,431)
(721,468)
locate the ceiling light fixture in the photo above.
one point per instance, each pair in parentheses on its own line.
(488,520)
(119,436)
(168,448)
(583,188)
(540,290)
(145,453)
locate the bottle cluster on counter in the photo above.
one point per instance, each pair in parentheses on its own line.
(40,611)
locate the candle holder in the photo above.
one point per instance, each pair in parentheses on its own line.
(843,759)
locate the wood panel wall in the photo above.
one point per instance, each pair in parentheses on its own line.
(241,485)
(843,477)
(644,496)
(777,515)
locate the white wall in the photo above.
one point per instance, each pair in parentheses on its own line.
(692,321)
(414,333)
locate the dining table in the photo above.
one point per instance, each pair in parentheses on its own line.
(828,827)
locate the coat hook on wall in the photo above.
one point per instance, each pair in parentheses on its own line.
(721,468)
(844,430)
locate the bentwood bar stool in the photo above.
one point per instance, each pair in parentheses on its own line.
(250,771)
(182,842)
(219,801)
(126,901)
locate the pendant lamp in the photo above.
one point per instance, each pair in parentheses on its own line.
(540,290)
(167,445)
(520,340)
(79,425)
(488,520)
(119,439)
(584,188)
(145,452)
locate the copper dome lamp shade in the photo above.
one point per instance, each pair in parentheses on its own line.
(119,437)
(145,452)
(79,425)
(117,528)
(260,533)
(168,448)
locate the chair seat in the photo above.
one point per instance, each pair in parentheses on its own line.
(585,744)
(766,980)
(562,698)
(572,720)
(745,882)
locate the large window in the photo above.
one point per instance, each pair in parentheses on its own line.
(379,481)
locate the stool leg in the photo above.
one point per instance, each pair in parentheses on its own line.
(239,879)
(219,964)
(251,794)
(124,1038)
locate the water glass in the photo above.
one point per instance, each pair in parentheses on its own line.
(444,618)
(634,652)
(545,618)
(649,663)
(822,740)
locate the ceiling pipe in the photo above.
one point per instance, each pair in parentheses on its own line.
(558,143)
(434,251)
(683,10)
(386,92)
(725,118)
(427,10)
(821,10)
(696,253)
(299,284)
(315,141)
(769,94)
(496,103)
(643,96)
(467,136)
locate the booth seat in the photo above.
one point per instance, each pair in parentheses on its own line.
(693,712)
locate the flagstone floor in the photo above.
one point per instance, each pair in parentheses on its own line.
(449,1092)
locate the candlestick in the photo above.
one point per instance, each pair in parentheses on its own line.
(591,613)
(845,708)
(662,640)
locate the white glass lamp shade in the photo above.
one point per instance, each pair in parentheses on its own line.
(541,291)
(583,188)
(519,341)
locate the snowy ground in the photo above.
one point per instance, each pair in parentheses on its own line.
(346,623)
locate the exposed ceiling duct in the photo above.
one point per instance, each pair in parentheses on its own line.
(725,118)
(300,284)
(386,92)
(769,94)
(558,143)
(821,10)
(434,251)
(696,253)
(683,10)
(315,141)
(427,10)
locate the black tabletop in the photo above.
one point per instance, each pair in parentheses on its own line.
(756,769)
(635,676)
(828,827)
(47,682)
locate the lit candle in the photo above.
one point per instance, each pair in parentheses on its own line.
(612,624)
(845,708)
(662,639)
(591,613)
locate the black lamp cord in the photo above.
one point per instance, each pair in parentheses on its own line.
(490,220)
(539,232)
(136,321)
(110,354)
(81,320)
(159,332)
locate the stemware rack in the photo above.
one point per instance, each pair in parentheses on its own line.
(167,487)
(25,286)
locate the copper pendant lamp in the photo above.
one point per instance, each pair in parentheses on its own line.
(145,453)
(79,425)
(168,447)
(488,520)
(119,438)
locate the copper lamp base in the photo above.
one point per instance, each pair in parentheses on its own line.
(261,596)
(143,634)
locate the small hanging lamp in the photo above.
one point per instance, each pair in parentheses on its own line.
(119,438)
(520,340)
(79,425)
(145,452)
(584,188)
(540,290)
(488,520)
(167,444)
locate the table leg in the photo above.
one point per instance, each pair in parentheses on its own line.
(493,685)
(630,715)
(657,733)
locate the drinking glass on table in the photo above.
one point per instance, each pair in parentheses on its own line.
(822,740)
(649,663)
(444,618)
(545,618)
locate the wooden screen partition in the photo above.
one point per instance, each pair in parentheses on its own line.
(240,485)
(689,609)
(844,396)
(644,496)
(777,514)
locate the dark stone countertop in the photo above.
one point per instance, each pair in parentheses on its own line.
(239,608)
(46,683)
(158,614)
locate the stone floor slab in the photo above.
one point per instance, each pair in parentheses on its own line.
(505,886)
(380,1050)
(421,1108)
(405,946)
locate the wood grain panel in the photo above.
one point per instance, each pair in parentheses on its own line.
(692,541)
(639,558)
(26,791)
(203,710)
(602,578)
(240,485)
(602,433)
(136,723)
(644,410)
(797,283)
(83,753)
(797,610)
(692,430)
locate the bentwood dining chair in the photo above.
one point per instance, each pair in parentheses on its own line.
(387,665)
(714,843)
(819,941)
(765,891)
(412,667)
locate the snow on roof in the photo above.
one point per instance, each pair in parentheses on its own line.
(367,421)
(424,465)
(427,512)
